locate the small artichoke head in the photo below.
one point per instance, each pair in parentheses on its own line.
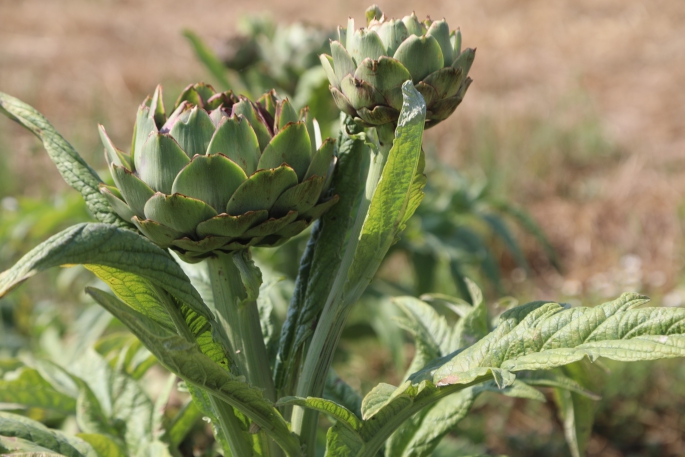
(221,173)
(367,67)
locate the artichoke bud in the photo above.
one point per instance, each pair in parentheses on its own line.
(367,67)
(221,173)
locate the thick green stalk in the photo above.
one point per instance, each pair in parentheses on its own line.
(237,313)
(337,307)
(228,423)
(230,426)
(235,285)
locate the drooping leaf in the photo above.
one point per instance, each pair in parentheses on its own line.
(542,335)
(396,196)
(576,410)
(186,360)
(75,171)
(108,246)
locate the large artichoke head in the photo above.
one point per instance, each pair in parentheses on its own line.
(368,66)
(221,173)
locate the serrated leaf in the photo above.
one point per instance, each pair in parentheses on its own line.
(543,335)
(28,388)
(203,403)
(75,171)
(134,291)
(108,246)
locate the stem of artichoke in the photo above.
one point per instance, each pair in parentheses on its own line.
(228,422)
(237,312)
(235,284)
(337,307)
(230,427)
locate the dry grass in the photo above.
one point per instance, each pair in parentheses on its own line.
(82,62)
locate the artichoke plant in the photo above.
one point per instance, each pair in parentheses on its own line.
(221,173)
(367,67)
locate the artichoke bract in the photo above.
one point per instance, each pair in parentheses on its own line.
(367,67)
(221,173)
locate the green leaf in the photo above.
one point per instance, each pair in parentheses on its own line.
(117,398)
(183,423)
(28,388)
(75,171)
(500,228)
(420,435)
(431,333)
(187,361)
(161,405)
(395,198)
(474,325)
(126,352)
(541,335)
(103,445)
(556,378)
(340,392)
(576,411)
(89,415)
(386,408)
(108,246)
(15,426)
(17,447)
(203,403)
(208,58)
(134,291)
(323,250)
(341,414)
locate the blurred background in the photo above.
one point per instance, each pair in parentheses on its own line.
(575,120)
